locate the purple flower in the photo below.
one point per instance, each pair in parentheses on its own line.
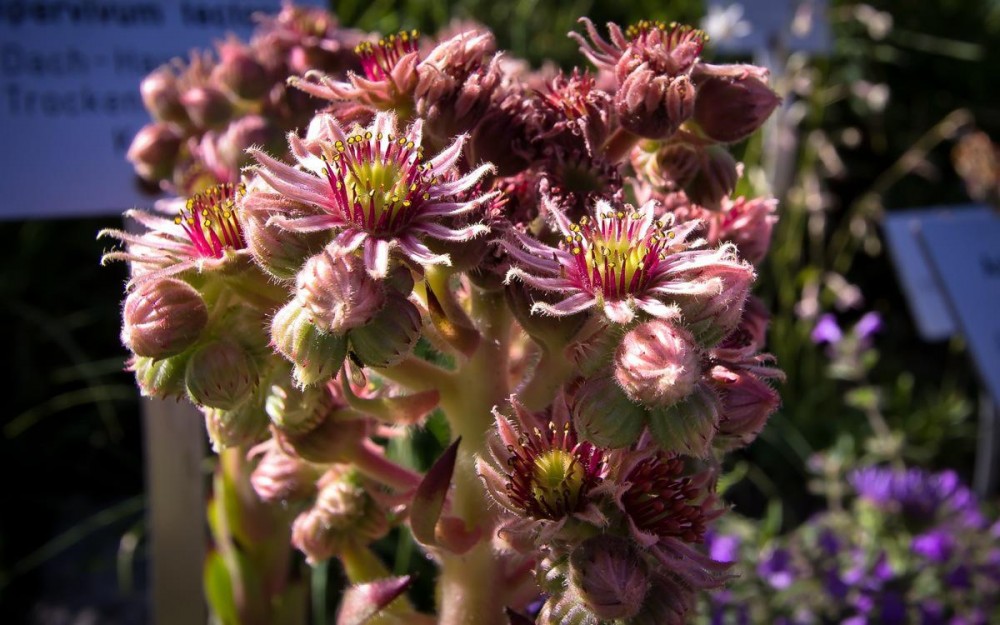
(827,331)
(866,327)
(723,547)
(776,568)
(936,545)
(915,493)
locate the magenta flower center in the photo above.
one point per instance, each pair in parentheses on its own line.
(613,257)
(378,59)
(662,502)
(209,219)
(379,181)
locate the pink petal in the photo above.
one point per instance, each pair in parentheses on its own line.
(291,182)
(569,306)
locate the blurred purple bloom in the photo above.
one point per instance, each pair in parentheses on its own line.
(776,568)
(827,331)
(916,493)
(936,545)
(723,547)
(868,325)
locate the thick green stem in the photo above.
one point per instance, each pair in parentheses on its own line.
(417,374)
(470,584)
(548,374)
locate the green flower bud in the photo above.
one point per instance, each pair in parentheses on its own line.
(221,374)
(162,318)
(161,378)
(317,355)
(240,427)
(297,411)
(390,336)
(688,426)
(604,415)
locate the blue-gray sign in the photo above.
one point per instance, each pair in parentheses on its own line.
(965,257)
(69,93)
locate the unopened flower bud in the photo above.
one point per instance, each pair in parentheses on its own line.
(317,355)
(208,107)
(221,374)
(162,318)
(390,336)
(609,576)
(161,378)
(154,150)
(335,439)
(711,317)
(746,403)
(343,515)
(248,131)
(240,72)
(240,426)
(278,251)
(161,96)
(686,427)
(338,292)
(282,478)
(654,106)
(717,175)
(295,410)
(729,109)
(671,165)
(748,223)
(657,363)
(604,415)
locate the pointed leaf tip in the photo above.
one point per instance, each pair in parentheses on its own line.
(428,500)
(363,601)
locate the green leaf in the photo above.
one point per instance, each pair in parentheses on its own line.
(219,589)
(686,427)
(428,500)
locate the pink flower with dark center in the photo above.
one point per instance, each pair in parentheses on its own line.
(203,235)
(539,471)
(619,261)
(660,500)
(376,190)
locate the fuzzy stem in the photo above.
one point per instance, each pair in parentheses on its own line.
(470,584)
(417,374)
(548,374)
(370,460)
(619,144)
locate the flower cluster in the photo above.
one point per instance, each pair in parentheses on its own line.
(208,110)
(913,548)
(435,201)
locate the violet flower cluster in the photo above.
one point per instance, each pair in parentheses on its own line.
(913,548)
(569,242)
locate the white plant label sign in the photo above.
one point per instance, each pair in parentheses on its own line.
(69,93)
